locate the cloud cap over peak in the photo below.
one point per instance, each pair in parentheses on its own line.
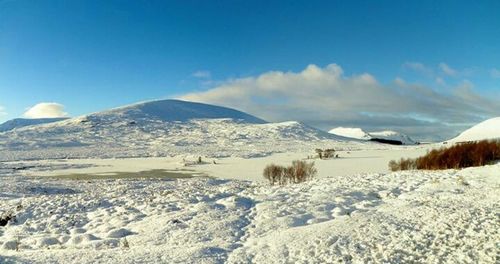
(46,110)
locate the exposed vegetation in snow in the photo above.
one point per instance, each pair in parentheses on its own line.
(464,155)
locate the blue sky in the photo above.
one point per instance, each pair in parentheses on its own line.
(93,55)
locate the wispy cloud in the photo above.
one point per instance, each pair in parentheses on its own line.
(495,73)
(440,81)
(46,110)
(2,111)
(442,70)
(202,74)
(446,69)
(418,67)
(325,97)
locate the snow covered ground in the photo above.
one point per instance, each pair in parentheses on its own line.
(423,217)
(124,186)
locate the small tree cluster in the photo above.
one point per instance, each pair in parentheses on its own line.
(470,154)
(325,153)
(299,171)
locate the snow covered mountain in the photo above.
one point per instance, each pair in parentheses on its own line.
(160,128)
(23,122)
(489,129)
(390,137)
(350,132)
(175,110)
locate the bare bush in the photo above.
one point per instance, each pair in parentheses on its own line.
(394,166)
(470,154)
(320,153)
(273,173)
(298,172)
(303,171)
(326,153)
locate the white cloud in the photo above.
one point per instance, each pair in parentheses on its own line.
(2,111)
(325,97)
(202,74)
(495,73)
(440,81)
(46,110)
(446,69)
(418,67)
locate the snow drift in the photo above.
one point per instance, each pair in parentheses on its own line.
(489,129)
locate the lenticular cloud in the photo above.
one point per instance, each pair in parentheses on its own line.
(46,110)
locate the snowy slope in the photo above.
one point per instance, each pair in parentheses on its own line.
(159,128)
(393,135)
(175,110)
(489,129)
(350,132)
(23,122)
(358,133)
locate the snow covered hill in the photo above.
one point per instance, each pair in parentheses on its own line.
(489,129)
(391,137)
(175,110)
(160,128)
(350,132)
(23,122)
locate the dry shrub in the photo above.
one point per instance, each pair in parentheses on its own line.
(328,153)
(299,171)
(402,164)
(320,153)
(325,154)
(273,173)
(470,154)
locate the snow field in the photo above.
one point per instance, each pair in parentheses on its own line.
(415,216)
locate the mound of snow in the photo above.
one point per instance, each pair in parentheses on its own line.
(350,132)
(391,137)
(23,122)
(489,129)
